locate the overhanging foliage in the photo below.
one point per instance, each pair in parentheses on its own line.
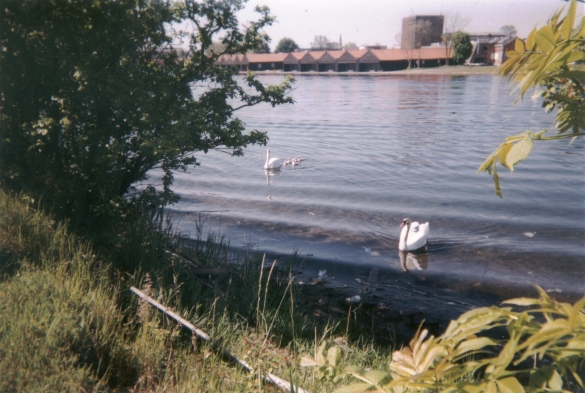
(550,60)
(97,93)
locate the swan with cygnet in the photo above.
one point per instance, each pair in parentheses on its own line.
(413,235)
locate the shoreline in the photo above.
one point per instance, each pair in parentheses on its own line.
(435,71)
(402,300)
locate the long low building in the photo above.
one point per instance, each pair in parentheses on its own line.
(339,60)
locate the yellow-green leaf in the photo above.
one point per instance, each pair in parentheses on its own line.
(376,376)
(555,382)
(470,387)
(530,40)
(319,355)
(545,38)
(353,369)
(569,20)
(473,345)
(307,361)
(519,152)
(503,153)
(334,355)
(510,385)
(522,301)
(354,388)
(490,387)
(575,56)
(519,46)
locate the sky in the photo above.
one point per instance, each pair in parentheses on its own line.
(369,22)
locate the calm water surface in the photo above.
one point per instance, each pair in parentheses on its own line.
(378,149)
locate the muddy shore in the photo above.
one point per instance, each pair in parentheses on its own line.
(393,304)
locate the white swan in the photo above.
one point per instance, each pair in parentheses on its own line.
(413,235)
(272,163)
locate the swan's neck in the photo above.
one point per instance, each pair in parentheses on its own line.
(267,157)
(406,236)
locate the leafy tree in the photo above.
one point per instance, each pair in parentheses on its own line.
(322,42)
(509,30)
(350,46)
(550,59)
(286,45)
(417,34)
(263,46)
(461,47)
(453,22)
(94,95)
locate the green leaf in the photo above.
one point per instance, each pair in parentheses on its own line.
(319,355)
(555,382)
(470,387)
(507,354)
(354,388)
(354,369)
(510,385)
(503,154)
(530,40)
(487,164)
(519,152)
(377,376)
(568,21)
(545,38)
(575,55)
(307,361)
(544,377)
(334,355)
(539,377)
(519,46)
(473,345)
(522,301)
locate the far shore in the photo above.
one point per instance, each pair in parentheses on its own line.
(444,70)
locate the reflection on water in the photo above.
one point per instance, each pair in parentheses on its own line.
(413,260)
(271,172)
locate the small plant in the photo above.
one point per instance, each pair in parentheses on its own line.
(544,351)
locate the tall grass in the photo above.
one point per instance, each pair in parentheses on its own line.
(70,324)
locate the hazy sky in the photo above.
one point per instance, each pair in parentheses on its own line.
(380,21)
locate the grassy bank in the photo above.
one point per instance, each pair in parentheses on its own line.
(69,323)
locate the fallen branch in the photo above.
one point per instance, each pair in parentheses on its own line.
(270,378)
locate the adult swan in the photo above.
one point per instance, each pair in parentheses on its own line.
(272,163)
(413,235)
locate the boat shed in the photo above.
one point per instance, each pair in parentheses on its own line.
(344,60)
(433,56)
(241,61)
(266,61)
(299,61)
(366,60)
(325,62)
(391,59)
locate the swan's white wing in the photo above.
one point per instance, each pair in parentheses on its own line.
(418,238)
(273,163)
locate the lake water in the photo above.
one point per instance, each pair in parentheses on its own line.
(379,149)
